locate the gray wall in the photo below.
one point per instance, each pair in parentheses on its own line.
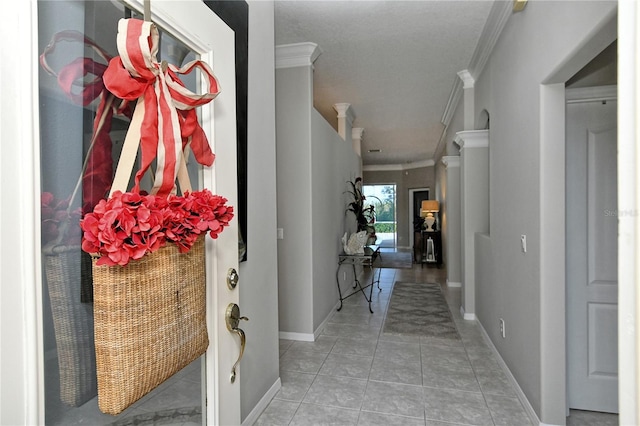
(333,164)
(423,177)
(533,47)
(474,209)
(293,134)
(313,166)
(258,275)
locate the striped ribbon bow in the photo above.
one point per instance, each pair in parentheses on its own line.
(170,122)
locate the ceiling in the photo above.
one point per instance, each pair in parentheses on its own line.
(395,62)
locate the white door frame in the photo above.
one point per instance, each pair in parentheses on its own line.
(628,201)
(21,362)
(552,185)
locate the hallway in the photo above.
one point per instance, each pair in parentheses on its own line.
(353,374)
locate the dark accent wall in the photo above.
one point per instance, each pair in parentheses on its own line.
(236,15)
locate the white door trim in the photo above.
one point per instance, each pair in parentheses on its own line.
(628,201)
(552,227)
(21,371)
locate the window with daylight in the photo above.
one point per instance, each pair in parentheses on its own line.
(383,198)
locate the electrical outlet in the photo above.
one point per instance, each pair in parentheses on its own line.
(523,243)
(502,330)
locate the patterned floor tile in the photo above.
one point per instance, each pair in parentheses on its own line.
(338,365)
(294,385)
(342,392)
(456,407)
(377,419)
(277,413)
(507,411)
(310,414)
(394,398)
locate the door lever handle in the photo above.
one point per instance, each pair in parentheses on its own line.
(243,340)
(232,319)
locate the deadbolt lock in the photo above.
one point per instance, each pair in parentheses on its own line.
(232,278)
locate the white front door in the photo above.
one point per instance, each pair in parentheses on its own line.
(192,28)
(592,238)
(193,23)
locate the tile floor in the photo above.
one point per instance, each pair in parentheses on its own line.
(353,374)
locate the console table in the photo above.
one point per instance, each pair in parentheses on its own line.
(368,258)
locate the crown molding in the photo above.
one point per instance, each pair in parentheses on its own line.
(451,161)
(397,167)
(464,81)
(472,139)
(496,21)
(440,148)
(297,55)
(452,102)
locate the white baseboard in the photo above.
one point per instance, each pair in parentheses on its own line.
(453,284)
(262,404)
(519,393)
(306,337)
(467,316)
(301,337)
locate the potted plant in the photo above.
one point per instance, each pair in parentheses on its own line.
(365,214)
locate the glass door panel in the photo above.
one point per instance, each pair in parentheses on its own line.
(76,39)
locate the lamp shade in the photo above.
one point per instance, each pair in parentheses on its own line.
(429,206)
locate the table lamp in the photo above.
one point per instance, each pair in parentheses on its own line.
(427,209)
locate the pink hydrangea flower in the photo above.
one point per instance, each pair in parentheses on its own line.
(128,225)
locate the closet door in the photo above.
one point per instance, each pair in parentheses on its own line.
(592,255)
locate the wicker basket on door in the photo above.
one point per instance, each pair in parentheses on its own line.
(150,295)
(150,322)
